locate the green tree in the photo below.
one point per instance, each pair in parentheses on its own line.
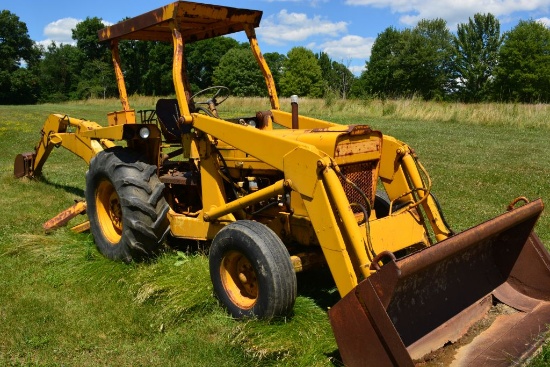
(15,43)
(134,57)
(275,61)
(414,61)
(18,83)
(344,79)
(523,71)
(338,78)
(239,71)
(302,74)
(379,75)
(96,77)
(147,67)
(202,58)
(329,75)
(97,81)
(157,76)
(87,40)
(20,86)
(59,72)
(477,44)
(425,64)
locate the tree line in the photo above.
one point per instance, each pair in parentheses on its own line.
(476,64)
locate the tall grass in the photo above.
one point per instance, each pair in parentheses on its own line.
(494,114)
(515,115)
(61,303)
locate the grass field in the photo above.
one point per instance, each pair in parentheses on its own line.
(63,304)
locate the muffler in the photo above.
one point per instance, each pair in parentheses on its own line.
(496,273)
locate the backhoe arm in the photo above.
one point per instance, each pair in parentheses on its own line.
(60,130)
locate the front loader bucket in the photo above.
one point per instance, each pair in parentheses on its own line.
(484,294)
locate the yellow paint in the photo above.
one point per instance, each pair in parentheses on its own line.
(410,231)
(177,66)
(120,81)
(109,211)
(333,244)
(270,83)
(285,119)
(122,117)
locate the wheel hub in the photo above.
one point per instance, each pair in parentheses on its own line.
(239,279)
(115,211)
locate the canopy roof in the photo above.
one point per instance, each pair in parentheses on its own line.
(195,21)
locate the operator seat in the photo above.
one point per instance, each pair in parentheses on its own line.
(168,113)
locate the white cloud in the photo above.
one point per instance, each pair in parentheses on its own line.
(357,69)
(545,21)
(286,27)
(60,31)
(45,43)
(348,47)
(452,11)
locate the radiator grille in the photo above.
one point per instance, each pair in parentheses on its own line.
(363,175)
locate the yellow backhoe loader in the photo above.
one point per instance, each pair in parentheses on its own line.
(274,193)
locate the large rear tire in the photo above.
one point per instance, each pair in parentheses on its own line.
(125,205)
(251,271)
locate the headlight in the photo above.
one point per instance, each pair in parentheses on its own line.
(144,132)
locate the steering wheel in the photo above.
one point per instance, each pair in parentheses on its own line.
(214,93)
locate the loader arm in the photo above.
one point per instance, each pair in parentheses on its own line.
(400,175)
(295,158)
(313,174)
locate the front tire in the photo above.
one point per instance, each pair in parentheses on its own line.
(125,205)
(251,271)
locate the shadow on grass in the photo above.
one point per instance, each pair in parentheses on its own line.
(189,247)
(318,285)
(69,189)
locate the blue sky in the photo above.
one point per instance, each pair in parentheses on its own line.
(343,29)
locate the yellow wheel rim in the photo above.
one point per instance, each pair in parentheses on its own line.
(109,211)
(239,279)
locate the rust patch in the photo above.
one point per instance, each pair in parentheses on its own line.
(451,331)
(363,175)
(23,165)
(357,147)
(194,20)
(454,353)
(65,216)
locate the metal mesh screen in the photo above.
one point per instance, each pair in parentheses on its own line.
(361,174)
